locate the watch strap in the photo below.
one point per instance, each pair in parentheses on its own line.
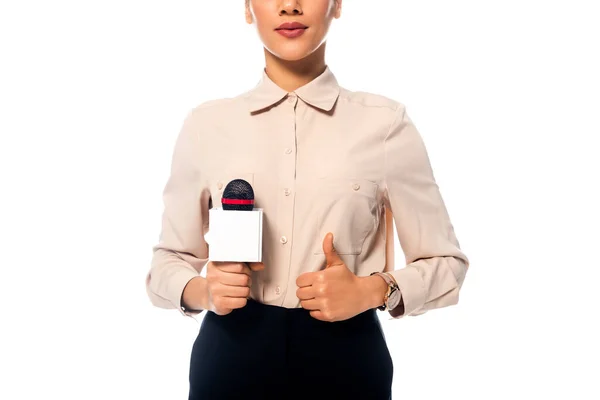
(392,286)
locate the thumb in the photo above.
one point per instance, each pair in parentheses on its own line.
(256,265)
(331,256)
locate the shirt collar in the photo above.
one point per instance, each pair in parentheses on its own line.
(321,92)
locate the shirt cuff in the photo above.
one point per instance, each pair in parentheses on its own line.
(412,289)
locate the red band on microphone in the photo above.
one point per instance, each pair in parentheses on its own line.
(236,201)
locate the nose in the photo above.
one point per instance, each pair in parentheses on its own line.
(290,7)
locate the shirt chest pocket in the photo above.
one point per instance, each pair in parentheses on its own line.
(220,181)
(348,208)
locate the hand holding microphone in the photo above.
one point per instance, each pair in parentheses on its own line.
(229,284)
(235,248)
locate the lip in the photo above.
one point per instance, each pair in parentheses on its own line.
(291,26)
(291,29)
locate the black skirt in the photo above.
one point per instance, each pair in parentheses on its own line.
(268,352)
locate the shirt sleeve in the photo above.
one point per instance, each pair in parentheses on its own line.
(181,252)
(435,265)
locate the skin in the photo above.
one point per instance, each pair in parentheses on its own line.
(334,293)
(225,288)
(293,62)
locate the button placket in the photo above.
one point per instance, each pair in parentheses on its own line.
(286,198)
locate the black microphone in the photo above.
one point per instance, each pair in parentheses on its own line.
(238,196)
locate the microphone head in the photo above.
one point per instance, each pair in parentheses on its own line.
(238,195)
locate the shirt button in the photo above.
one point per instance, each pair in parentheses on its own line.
(287,191)
(220,185)
(356,186)
(291,98)
(283,240)
(277,290)
(288,150)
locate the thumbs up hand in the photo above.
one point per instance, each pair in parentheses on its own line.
(334,293)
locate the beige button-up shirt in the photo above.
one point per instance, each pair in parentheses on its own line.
(320,159)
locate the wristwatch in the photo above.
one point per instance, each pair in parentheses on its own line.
(392,296)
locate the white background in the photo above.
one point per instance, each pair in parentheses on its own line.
(505,94)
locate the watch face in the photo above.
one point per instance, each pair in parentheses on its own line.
(394,299)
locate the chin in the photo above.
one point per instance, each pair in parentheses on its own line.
(288,54)
(291,57)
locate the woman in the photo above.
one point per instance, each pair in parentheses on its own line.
(332,169)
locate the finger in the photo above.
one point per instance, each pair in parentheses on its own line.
(256,266)
(312,304)
(237,267)
(306,279)
(317,314)
(331,255)
(234,279)
(232,291)
(232,302)
(306,293)
(220,310)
